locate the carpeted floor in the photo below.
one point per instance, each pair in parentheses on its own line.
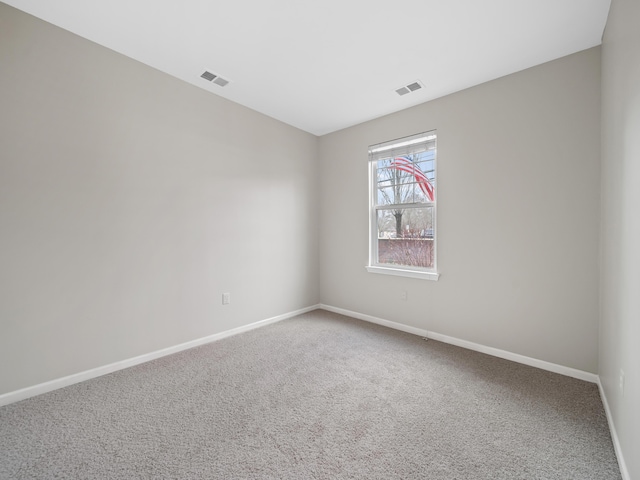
(319,396)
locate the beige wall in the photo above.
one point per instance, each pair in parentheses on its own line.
(518,180)
(620,278)
(130,201)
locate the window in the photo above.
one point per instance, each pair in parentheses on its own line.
(402,225)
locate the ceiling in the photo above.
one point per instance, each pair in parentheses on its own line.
(325,65)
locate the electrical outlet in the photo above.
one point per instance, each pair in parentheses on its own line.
(622,382)
(226,298)
(404,295)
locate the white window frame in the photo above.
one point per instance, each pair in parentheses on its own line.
(401,146)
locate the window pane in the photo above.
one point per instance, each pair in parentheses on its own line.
(405,193)
(405,237)
(403,202)
(406,179)
(386,196)
(426,168)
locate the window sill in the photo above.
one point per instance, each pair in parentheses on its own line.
(403,273)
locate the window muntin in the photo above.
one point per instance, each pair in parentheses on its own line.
(403,204)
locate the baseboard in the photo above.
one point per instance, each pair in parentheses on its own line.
(24,393)
(16,396)
(496,352)
(12,397)
(378,321)
(614,435)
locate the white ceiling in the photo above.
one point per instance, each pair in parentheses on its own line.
(325,65)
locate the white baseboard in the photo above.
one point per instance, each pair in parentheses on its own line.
(496,352)
(614,435)
(16,396)
(39,389)
(379,321)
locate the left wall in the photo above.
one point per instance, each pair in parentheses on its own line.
(130,201)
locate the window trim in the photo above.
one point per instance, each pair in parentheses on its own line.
(391,269)
(404,272)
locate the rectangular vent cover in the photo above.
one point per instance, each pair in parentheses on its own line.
(412,87)
(217,79)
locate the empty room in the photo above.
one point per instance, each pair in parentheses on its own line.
(325,240)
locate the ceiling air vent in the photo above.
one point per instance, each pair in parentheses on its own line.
(220,81)
(217,79)
(412,87)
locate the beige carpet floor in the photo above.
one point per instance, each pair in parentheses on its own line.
(319,396)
